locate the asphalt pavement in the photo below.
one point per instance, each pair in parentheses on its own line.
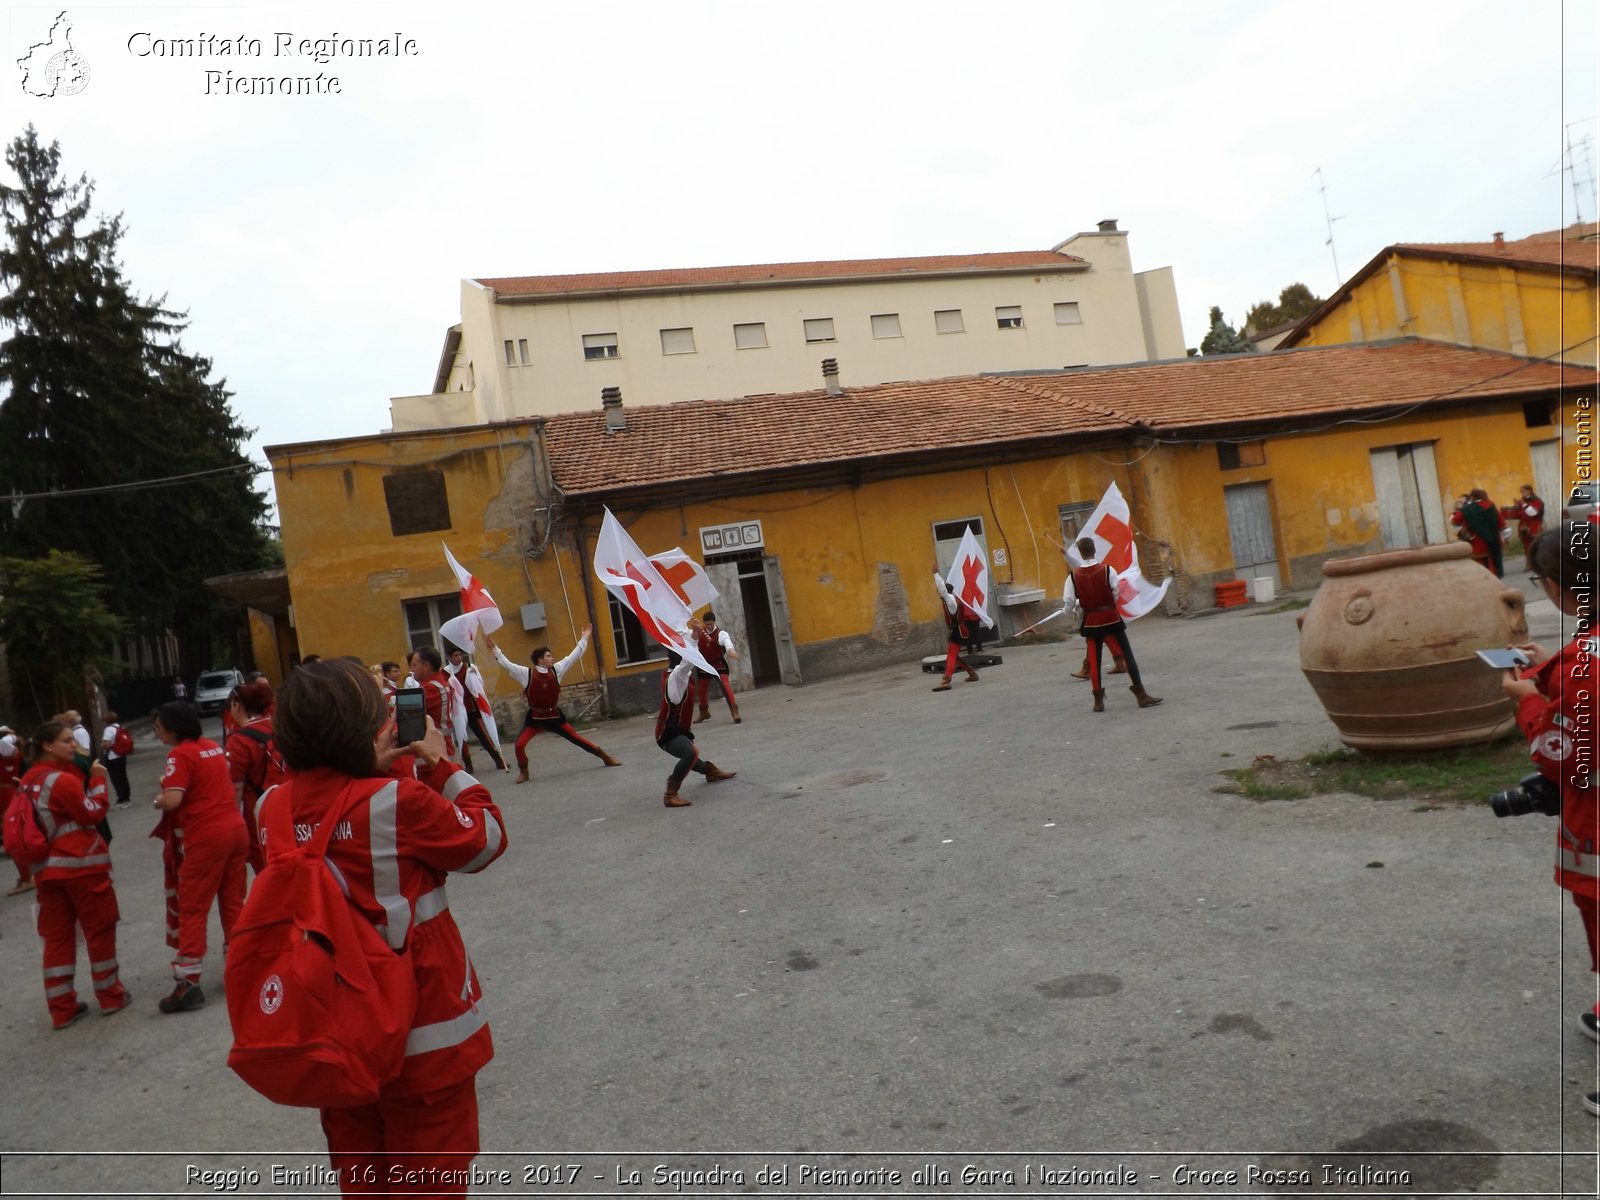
(983,930)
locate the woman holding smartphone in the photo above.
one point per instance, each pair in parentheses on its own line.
(1555,708)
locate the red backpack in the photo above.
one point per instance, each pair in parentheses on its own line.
(319,1002)
(24,838)
(122,741)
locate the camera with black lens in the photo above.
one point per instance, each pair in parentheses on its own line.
(1533,794)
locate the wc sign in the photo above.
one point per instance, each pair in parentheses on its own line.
(726,539)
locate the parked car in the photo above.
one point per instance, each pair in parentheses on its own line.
(1581,504)
(212,689)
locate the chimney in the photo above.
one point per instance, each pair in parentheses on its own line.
(1109,225)
(830,376)
(1499,243)
(611,405)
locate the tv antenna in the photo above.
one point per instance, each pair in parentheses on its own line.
(1582,181)
(1323,188)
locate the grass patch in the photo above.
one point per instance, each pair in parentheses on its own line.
(1467,775)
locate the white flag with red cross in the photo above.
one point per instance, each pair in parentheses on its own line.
(968,577)
(632,578)
(479,613)
(686,577)
(1111,527)
(472,679)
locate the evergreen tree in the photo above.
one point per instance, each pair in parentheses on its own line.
(97,391)
(1223,338)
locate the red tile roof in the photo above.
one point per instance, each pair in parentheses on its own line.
(773,273)
(728,439)
(1536,251)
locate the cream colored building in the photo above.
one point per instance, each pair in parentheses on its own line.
(534,345)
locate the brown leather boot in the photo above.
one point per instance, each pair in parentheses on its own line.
(608,760)
(1083,674)
(736,717)
(944,685)
(671,798)
(715,773)
(1146,700)
(1119,666)
(972,676)
(1099,700)
(703,715)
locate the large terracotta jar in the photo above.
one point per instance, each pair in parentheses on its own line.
(1390,646)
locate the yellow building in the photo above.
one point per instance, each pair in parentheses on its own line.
(821,514)
(1537,296)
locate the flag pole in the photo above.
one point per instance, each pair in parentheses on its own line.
(1040,622)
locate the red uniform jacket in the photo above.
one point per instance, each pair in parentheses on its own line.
(393,854)
(253,768)
(711,647)
(1092,586)
(68,814)
(1561,726)
(439,704)
(675,716)
(544,695)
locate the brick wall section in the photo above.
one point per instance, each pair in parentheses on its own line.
(891,624)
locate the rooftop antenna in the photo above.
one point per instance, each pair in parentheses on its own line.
(1323,188)
(1582,183)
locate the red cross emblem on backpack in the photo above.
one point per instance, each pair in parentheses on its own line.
(271,995)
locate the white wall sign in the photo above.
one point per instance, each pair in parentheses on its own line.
(725,539)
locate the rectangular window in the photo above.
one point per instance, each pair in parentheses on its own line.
(886,325)
(423,618)
(677,341)
(600,345)
(1067,313)
(948,320)
(1233,455)
(628,638)
(819,329)
(417,502)
(1008,316)
(752,336)
(1072,517)
(511,353)
(947,537)
(1536,414)
(522,350)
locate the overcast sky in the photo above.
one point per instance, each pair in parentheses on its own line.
(317,241)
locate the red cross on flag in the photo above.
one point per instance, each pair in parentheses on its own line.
(1111,527)
(686,577)
(968,577)
(632,578)
(479,613)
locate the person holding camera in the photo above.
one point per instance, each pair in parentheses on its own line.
(394,848)
(1555,698)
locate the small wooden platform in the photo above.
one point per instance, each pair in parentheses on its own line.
(935,662)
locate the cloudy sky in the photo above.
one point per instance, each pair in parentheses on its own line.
(317,241)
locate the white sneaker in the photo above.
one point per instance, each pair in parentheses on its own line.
(1590,1023)
(1592,1103)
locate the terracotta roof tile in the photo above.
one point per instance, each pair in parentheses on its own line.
(1536,251)
(760,273)
(697,439)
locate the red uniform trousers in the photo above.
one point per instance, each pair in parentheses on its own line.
(559,726)
(703,687)
(439,1128)
(64,905)
(212,869)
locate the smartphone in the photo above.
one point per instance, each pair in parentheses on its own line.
(410,715)
(1504,660)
